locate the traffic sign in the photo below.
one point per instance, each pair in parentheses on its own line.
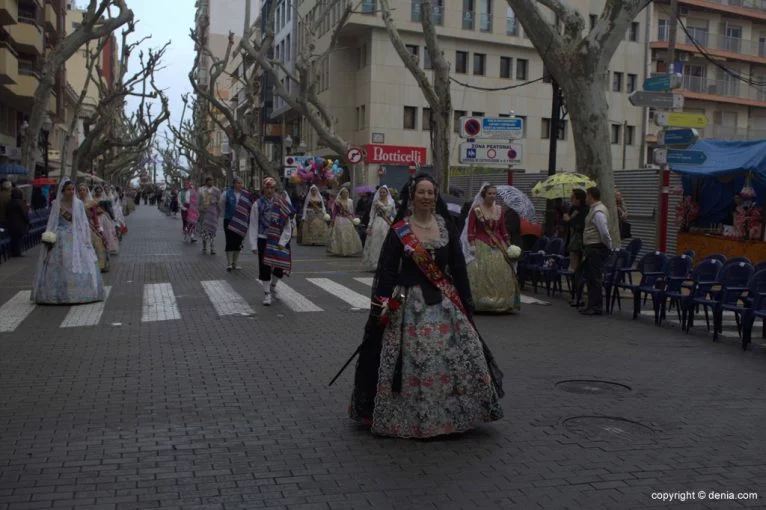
(354,155)
(494,128)
(662,82)
(677,137)
(687,120)
(679,157)
(661,100)
(491,153)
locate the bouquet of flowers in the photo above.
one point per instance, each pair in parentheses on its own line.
(686,212)
(748,222)
(388,306)
(356,221)
(514,252)
(48,239)
(327,217)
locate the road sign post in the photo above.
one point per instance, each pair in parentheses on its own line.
(491,153)
(682,138)
(662,82)
(492,128)
(659,100)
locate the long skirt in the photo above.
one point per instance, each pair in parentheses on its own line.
(264,271)
(446,386)
(56,283)
(373,244)
(494,286)
(98,244)
(344,240)
(314,229)
(233,240)
(110,234)
(208,223)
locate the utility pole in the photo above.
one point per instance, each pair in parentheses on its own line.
(553,138)
(672,35)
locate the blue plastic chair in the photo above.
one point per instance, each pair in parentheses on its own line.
(674,272)
(734,286)
(634,248)
(760,266)
(736,260)
(677,273)
(757,291)
(716,256)
(699,284)
(649,267)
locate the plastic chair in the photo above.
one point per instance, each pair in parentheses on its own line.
(736,260)
(757,291)
(699,284)
(760,266)
(675,271)
(717,256)
(650,267)
(734,284)
(634,248)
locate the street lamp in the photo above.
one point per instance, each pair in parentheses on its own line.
(288,143)
(302,148)
(46,128)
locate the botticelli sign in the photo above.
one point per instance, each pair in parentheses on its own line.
(395,154)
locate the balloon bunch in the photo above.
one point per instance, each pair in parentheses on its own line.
(319,171)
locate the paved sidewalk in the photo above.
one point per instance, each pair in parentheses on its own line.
(234,411)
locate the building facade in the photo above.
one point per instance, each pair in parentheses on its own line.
(721,54)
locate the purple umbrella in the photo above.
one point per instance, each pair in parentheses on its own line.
(364,189)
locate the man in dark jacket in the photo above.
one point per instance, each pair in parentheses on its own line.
(16,221)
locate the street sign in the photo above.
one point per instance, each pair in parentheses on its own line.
(686,120)
(354,155)
(295,161)
(679,157)
(677,137)
(494,128)
(290,171)
(660,100)
(491,153)
(662,82)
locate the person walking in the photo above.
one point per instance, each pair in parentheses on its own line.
(596,246)
(236,207)
(16,220)
(208,198)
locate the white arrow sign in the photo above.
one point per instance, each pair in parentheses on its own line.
(354,155)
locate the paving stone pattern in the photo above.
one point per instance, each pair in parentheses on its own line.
(234,411)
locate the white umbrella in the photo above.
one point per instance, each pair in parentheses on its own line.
(516,199)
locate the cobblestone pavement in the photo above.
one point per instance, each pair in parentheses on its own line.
(163,398)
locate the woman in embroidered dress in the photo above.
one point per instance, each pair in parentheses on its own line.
(423,369)
(344,239)
(105,215)
(96,235)
(236,206)
(269,236)
(485,243)
(190,213)
(382,212)
(314,227)
(67,272)
(207,203)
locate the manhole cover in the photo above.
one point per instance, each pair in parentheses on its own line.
(607,428)
(587,387)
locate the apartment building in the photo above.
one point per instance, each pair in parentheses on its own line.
(721,53)
(28,30)
(378,103)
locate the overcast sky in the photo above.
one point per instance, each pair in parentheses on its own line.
(167,20)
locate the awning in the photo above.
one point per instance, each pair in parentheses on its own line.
(12,169)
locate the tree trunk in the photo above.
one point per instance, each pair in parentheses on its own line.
(42,96)
(585,97)
(441,144)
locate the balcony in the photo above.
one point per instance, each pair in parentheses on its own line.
(9,66)
(485,23)
(716,45)
(9,12)
(51,18)
(368,7)
(26,86)
(437,13)
(728,90)
(469,20)
(511,26)
(732,133)
(27,36)
(759,5)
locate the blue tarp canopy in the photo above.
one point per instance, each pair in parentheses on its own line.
(715,183)
(12,169)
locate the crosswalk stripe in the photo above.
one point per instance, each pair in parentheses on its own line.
(367,280)
(86,315)
(15,311)
(225,299)
(295,301)
(351,297)
(159,303)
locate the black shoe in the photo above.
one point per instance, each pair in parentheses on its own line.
(591,311)
(576,304)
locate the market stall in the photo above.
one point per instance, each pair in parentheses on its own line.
(721,210)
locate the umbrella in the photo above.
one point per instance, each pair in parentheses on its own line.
(515,199)
(364,189)
(454,204)
(561,185)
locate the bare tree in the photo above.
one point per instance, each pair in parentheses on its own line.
(437,94)
(116,141)
(579,62)
(98,22)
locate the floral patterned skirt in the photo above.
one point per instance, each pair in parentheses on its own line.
(446,385)
(344,240)
(374,243)
(494,286)
(314,229)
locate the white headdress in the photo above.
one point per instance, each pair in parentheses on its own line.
(349,201)
(84,259)
(376,199)
(464,234)
(308,201)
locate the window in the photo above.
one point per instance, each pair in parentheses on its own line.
(456,119)
(461,62)
(485,16)
(663,28)
(414,51)
(593,18)
(289,8)
(477,114)
(437,11)
(511,25)
(545,132)
(629,134)
(426,119)
(630,86)
(506,64)
(521,69)
(616,82)
(633,31)
(410,117)
(469,15)
(616,131)
(478,63)
(368,6)
(426,59)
